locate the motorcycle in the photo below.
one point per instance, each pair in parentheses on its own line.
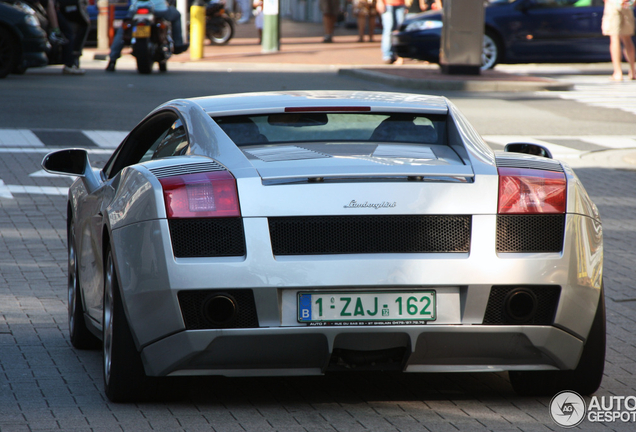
(219,27)
(149,36)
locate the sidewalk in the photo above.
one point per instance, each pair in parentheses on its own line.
(301,46)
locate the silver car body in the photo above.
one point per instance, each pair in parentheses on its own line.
(128,212)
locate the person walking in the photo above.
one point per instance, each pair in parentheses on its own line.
(618,24)
(392,12)
(74,21)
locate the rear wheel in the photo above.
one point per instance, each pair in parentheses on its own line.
(585,379)
(9,52)
(80,336)
(491,51)
(142,51)
(222,34)
(124,376)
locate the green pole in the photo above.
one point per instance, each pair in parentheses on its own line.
(271,26)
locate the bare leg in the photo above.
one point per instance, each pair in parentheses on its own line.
(615,53)
(372,19)
(328,22)
(630,52)
(361,24)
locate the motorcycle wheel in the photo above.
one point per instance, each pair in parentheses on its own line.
(222,34)
(142,51)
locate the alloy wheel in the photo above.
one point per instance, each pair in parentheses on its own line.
(108,317)
(489,53)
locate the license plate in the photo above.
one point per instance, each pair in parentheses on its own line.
(363,307)
(141,32)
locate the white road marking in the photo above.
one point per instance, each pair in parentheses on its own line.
(106,139)
(19,137)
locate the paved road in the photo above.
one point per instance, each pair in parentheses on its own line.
(47,385)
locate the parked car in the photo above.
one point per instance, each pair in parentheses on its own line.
(23,43)
(298,233)
(518,31)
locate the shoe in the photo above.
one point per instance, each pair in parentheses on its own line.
(178,49)
(388,60)
(73,70)
(327,39)
(111,66)
(360,39)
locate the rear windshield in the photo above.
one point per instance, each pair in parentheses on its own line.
(335,127)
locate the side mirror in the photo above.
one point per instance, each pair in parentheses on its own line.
(69,162)
(527,148)
(72,162)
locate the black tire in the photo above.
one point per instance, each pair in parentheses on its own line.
(163,66)
(80,335)
(491,51)
(222,34)
(9,52)
(124,376)
(585,379)
(143,52)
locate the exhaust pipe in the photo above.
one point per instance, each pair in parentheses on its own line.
(520,305)
(220,309)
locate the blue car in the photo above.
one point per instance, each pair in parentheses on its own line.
(518,31)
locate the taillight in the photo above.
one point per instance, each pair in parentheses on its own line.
(202,195)
(530,191)
(143,11)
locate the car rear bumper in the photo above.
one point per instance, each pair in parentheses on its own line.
(315,350)
(461,338)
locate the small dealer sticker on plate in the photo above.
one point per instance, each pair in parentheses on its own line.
(385,308)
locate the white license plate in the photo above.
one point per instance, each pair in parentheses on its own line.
(366,307)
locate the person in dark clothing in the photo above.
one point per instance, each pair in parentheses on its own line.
(74,22)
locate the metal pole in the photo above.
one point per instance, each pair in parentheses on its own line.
(103,42)
(182,7)
(197,31)
(271,26)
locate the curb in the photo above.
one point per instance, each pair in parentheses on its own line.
(457,85)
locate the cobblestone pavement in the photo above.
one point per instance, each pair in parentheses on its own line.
(45,385)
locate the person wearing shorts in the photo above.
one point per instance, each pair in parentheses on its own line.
(618,24)
(329,9)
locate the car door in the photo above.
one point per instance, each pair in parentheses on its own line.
(158,136)
(556,30)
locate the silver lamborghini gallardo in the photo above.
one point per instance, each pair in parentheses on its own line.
(300,233)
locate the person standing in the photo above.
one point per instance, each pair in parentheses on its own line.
(365,10)
(330,10)
(392,12)
(618,24)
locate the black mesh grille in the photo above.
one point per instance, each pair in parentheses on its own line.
(192,302)
(207,237)
(530,233)
(321,235)
(547,301)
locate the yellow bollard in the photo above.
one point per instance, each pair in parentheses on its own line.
(197,31)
